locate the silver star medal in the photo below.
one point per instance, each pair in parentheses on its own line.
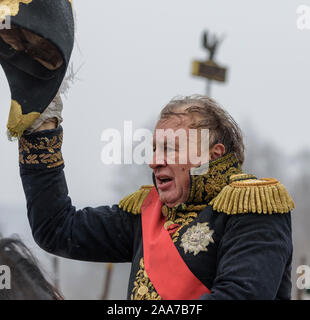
(197,238)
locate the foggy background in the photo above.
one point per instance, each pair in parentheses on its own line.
(135,56)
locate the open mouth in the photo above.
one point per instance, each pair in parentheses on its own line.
(163,182)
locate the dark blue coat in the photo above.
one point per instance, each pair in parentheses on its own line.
(250,256)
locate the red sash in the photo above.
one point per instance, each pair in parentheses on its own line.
(166,269)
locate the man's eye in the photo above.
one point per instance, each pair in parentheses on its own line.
(159,148)
(170,149)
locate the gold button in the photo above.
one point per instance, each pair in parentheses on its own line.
(143,290)
(167,224)
(164,211)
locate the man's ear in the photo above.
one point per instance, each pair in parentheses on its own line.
(217,151)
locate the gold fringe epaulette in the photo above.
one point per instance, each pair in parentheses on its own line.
(266,195)
(133,202)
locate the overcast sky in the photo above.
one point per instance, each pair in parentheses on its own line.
(137,54)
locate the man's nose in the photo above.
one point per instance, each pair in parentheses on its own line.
(159,160)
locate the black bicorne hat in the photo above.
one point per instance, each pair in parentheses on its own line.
(33,85)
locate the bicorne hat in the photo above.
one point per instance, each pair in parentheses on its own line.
(36,43)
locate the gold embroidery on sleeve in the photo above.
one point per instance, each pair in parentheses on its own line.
(46,151)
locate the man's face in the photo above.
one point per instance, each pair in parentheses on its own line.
(172,179)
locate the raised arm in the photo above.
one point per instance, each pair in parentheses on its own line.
(103,234)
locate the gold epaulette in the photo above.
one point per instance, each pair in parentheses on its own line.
(266,195)
(133,202)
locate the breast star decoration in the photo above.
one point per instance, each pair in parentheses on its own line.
(197,238)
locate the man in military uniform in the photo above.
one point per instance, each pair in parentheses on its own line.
(223,234)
